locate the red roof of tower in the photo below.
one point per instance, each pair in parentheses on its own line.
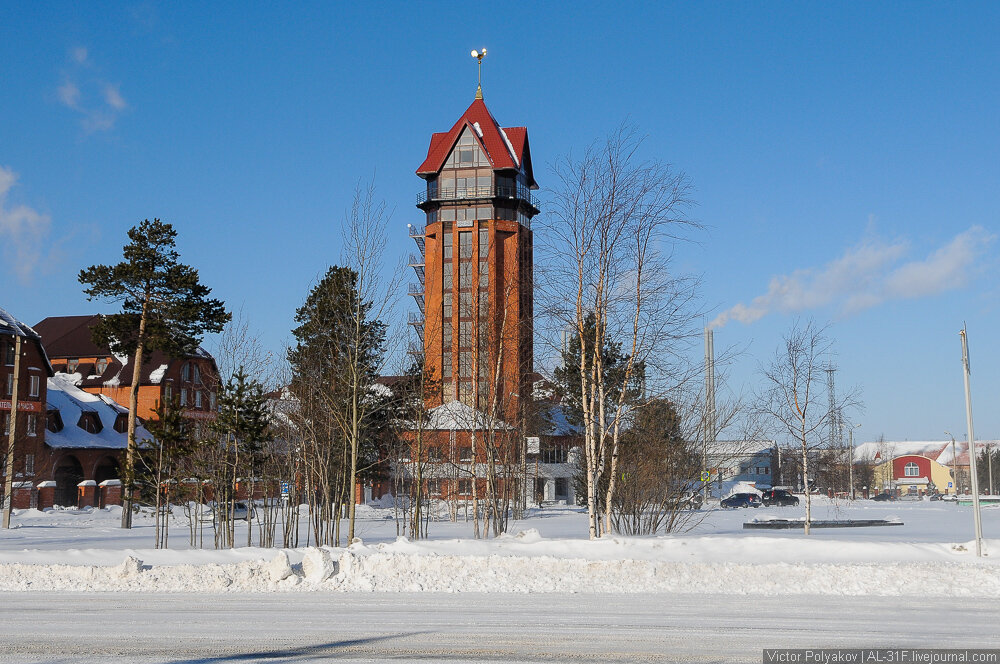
(506,148)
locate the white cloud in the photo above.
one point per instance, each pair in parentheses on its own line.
(69,94)
(98,103)
(866,276)
(22,228)
(113,97)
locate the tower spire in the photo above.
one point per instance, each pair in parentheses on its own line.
(479,55)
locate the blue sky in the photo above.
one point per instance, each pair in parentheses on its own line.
(843,155)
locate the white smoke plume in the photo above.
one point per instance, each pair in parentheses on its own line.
(865,276)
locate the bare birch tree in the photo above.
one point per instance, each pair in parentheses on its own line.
(614,221)
(793,394)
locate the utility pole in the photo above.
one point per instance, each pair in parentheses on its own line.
(708,430)
(8,485)
(954,463)
(850,473)
(972,445)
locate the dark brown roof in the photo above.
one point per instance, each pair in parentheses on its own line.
(69,336)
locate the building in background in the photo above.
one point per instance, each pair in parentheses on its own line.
(194,379)
(68,442)
(475,300)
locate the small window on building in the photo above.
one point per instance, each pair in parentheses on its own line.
(447,237)
(465,487)
(465,453)
(9,350)
(29,464)
(102,365)
(53,421)
(433,453)
(911,470)
(71,365)
(186,372)
(90,422)
(184,396)
(168,393)
(197,374)
(197,398)
(32,427)
(211,401)
(10,385)
(121,422)
(434,487)
(36,382)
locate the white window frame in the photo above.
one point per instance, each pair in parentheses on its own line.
(911,466)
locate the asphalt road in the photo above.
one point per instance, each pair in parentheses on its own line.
(64,627)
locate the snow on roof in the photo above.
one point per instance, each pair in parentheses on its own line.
(10,325)
(555,422)
(510,147)
(937,450)
(457,415)
(63,395)
(156,375)
(729,448)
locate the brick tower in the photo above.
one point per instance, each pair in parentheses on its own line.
(475,263)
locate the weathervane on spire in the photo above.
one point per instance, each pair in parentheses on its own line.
(479,55)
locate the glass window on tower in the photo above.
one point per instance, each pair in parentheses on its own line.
(465,274)
(465,244)
(447,299)
(449,281)
(484,243)
(446,247)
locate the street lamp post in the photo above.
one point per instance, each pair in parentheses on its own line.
(850,468)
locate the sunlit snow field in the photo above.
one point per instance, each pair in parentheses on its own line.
(548,551)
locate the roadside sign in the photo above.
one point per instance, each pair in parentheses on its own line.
(949,485)
(705,476)
(285,489)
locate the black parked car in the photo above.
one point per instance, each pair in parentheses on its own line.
(779,497)
(885,495)
(742,500)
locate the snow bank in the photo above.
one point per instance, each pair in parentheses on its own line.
(531,564)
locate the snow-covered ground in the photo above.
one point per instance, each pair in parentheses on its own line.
(930,555)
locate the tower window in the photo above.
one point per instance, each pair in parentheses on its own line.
(911,470)
(465,244)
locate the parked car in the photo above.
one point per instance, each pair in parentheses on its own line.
(884,496)
(778,497)
(239,511)
(741,500)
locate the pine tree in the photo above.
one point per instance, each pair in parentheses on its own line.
(242,425)
(334,365)
(164,307)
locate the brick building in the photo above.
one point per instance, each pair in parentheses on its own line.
(29,431)
(96,370)
(68,442)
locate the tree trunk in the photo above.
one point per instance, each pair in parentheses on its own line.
(133,406)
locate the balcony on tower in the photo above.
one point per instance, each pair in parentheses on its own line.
(416,291)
